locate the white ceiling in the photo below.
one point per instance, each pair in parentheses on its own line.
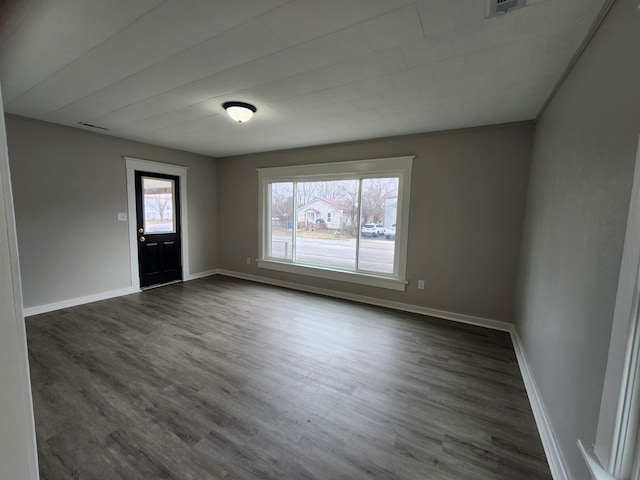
(319,71)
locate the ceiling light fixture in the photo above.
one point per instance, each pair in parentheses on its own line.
(241,112)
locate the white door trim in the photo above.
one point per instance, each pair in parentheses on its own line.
(619,418)
(138,164)
(18,450)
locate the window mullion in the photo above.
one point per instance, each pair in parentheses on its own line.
(359,225)
(268,202)
(294,224)
(396,246)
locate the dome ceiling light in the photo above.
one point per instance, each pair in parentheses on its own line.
(239,111)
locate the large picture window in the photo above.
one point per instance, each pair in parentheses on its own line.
(344,221)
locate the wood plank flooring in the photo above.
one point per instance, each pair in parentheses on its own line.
(223,378)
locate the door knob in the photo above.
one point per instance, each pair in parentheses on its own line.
(141,230)
(142,239)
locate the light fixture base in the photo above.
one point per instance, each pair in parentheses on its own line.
(240,111)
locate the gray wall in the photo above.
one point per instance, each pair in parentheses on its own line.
(68,187)
(467,204)
(579,191)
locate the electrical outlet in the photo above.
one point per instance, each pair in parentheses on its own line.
(122,217)
(248,260)
(420,284)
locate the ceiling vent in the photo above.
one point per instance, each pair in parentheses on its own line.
(498,7)
(84,124)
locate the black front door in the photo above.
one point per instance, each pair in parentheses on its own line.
(158,227)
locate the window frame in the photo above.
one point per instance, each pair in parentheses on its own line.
(145,204)
(348,170)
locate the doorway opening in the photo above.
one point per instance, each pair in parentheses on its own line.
(158,233)
(158,227)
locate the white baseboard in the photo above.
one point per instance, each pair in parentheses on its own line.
(72,302)
(405,307)
(556,461)
(593,464)
(195,276)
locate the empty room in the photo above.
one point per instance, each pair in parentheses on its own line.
(295,239)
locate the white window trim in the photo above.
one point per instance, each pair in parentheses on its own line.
(371,168)
(137,164)
(617,447)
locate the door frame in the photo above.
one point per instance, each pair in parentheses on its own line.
(137,164)
(616,444)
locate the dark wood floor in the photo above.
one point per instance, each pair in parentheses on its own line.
(223,378)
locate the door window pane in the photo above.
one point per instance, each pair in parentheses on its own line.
(378,220)
(327,223)
(282,221)
(158,205)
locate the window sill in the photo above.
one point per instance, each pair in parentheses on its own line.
(328,274)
